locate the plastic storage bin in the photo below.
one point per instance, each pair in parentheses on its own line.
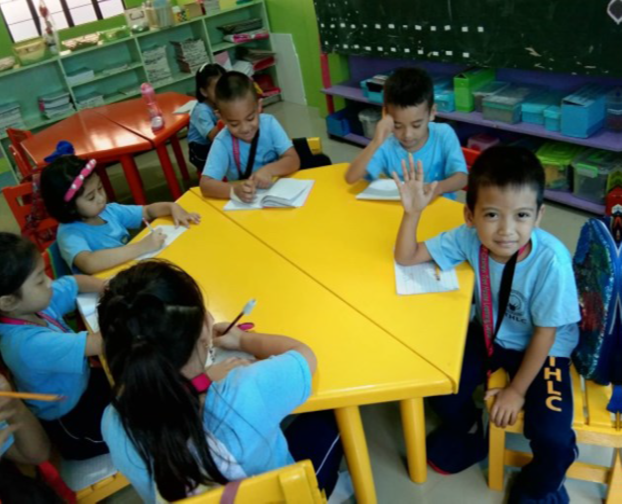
(552,117)
(613,110)
(369,118)
(482,142)
(373,88)
(584,112)
(467,82)
(445,101)
(614,179)
(591,170)
(30,51)
(533,109)
(556,158)
(505,106)
(487,90)
(338,123)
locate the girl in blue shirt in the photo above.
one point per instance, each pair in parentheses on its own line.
(170,430)
(44,355)
(93,234)
(203,120)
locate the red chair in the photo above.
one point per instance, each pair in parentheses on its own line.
(25,170)
(470,157)
(17,136)
(33,221)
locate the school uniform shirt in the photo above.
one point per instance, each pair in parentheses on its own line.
(272,144)
(46,360)
(78,237)
(441,156)
(202,121)
(242,419)
(544,292)
(10,441)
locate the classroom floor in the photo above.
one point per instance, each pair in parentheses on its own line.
(383,424)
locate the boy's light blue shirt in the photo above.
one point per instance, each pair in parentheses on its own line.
(9,441)
(45,360)
(441,156)
(78,237)
(273,143)
(544,291)
(202,121)
(244,412)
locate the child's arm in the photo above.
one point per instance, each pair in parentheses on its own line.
(213,132)
(87,284)
(179,215)
(262,346)
(101,260)
(211,188)
(287,164)
(95,345)
(31,445)
(452,184)
(510,401)
(359,167)
(415,197)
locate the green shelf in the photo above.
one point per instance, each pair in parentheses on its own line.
(100,45)
(177,77)
(233,9)
(25,68)
(105,75)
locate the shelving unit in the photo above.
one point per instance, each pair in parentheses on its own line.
(362,68)
(28,83)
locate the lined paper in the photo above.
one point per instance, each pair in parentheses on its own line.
(422,279)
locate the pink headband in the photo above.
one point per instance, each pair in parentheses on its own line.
(79,181)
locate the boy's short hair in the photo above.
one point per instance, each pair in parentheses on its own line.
(409,87)
(506,167)
(234,86)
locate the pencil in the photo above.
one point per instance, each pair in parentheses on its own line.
(32,397)
(437,273)
(151,229)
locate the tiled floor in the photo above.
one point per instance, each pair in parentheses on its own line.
(383,426)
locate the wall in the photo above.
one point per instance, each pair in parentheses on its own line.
(298,17)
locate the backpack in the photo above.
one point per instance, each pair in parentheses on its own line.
(597,266)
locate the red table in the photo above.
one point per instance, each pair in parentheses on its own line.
(93,137)
(132,115)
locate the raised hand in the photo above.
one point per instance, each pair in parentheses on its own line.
(414,193)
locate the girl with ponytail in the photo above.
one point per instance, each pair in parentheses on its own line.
(170,430)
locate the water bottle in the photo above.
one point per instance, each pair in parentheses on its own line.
(155,114)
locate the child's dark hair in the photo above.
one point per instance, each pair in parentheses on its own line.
(409,87)
(506,167)
(56,179)
(151,317)
(18,260)
(203,77)
(234,86)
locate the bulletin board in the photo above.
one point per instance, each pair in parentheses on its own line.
(580,37)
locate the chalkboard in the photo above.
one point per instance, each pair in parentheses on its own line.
(570,36)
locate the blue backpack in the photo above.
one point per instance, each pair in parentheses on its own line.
(597,265)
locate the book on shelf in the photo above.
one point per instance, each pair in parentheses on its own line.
(80,76)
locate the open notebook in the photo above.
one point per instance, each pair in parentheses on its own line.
(172,233)
(422,279)
(87,305)
(383,189)
(285,193)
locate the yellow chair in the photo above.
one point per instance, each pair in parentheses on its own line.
(315,145)
(295,484)
(101,490)
(593,425)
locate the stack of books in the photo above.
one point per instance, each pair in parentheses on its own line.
(191,55)
(55,105)
(157,64)
(80,76)
(90,100)
(11,117)
(260,59)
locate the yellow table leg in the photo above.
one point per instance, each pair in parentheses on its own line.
(414,426)
(614,482)
(356,451)
(497,449)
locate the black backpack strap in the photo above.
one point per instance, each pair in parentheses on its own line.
(252,153)
(505,291)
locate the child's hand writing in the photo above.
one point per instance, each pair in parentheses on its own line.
(384,128)
(153,241)
(508,404)
(263,178)
(414,194)
(182,217)
(222,369)
(245,190)
(229,341)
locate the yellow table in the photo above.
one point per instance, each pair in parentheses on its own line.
(358,362)
(347,246)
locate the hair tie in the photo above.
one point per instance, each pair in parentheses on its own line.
(63,148)
(79,180)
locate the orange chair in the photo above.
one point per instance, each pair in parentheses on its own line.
(470,157)
(34,224)
(17,136)
(25,170)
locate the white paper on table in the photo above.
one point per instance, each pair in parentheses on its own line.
(422,279)
(171,232)
(80,474)
(187,108)
(383,190)
(87,306)
(292,191)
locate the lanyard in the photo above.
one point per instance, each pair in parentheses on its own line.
(487,298)
(251,161)
(47,318)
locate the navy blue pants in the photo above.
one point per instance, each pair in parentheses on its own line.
(198,155)
(316,437)
(548,411)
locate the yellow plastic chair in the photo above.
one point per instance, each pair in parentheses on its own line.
(592,423)
(315,145)
(295,484)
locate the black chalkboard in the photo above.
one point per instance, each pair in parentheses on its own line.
(569,36)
